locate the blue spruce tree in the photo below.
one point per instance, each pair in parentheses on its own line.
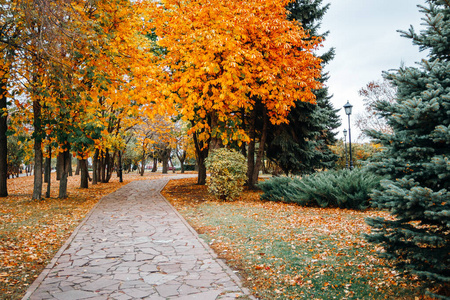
(417,159)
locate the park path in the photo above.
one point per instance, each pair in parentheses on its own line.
(134,245)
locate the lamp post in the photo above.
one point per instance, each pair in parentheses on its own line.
(345,148)
(348,111)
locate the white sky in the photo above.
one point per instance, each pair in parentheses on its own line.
(364,34)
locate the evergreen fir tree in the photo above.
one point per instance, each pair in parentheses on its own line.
(417,158)
(302,145)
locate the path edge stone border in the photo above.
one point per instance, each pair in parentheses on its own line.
(220,261)
(37,282)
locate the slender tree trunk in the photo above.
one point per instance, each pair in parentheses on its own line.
(120,167)
(95,167)
(77,170)
(243,120)
(102,166)
(142,170)
(260,154)
(64,174)
(48,172)
(3,141)
(171,163)
(181,158)
(263,164)
(70,165)
(155,165)
(38,157)
(47,163)
(110,165)
(201,155)
(84,179)
(251,148)
(59,165)
(215,143)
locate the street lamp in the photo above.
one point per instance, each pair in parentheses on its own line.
(345,148)
(348,111)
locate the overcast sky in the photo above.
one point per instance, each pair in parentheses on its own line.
(364,33)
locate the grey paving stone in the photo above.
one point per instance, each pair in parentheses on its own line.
(74,295)
(200,296)
(134,245)
(100,284)
(168,290)
(126,276)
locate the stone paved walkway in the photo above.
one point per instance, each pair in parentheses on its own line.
(134,245)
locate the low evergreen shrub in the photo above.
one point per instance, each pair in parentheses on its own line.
(343,188)
(228,172)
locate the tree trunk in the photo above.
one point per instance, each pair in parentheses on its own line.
(201,154)
(165,162)
(38,157)
(260,154)
(215,142)
(171,163)
(59,165)
(102,167)
(141,171)
(119,170)
(66,161)
(70,165)
(109,165)
(251,148)
(165,156)
(95,167)
(84,179)
(3,141)
(48,172)
(155,165)
(77,170)
(181,158)
(47,166)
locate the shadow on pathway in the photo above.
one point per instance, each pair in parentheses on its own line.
(134,245)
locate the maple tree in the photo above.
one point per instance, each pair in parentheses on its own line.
(184,144)
(9,32)
(86,74)
(223,57)
(153,138)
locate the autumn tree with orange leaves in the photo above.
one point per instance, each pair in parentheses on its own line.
(82,70)
(224,57)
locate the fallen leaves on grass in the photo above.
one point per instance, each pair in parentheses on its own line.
(285,251)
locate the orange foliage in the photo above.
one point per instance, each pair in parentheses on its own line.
(224,55)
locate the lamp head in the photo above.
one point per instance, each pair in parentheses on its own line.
(345,132)
(348,108)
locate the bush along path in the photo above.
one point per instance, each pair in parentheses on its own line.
(135,245)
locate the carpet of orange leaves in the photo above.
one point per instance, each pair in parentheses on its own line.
(243,232)
(285,251)
(31,232)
